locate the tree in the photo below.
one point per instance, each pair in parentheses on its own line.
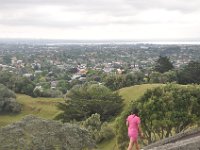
(115,82)
(190,73)
(133,79)
(163,64)
(99,131)
(8,79)
(7,59)
(167,77)
(24,86)
(93,75)
(84,100)
(164,111)
(63,86)
(8,102)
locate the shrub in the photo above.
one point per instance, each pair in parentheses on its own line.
(8,101)
(99,131)
(34,133)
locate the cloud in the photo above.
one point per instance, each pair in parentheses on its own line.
(179,5)
(97,16)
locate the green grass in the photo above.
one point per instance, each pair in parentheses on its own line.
(108,145)
(42,107)
(134,92)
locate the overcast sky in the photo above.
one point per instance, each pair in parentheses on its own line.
(100,19)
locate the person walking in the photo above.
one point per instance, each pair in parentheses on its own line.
(133,123)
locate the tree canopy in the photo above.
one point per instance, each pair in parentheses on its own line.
(8,101)
(190,73)
(84,100)
(163,64)
(164,111)
(115,82)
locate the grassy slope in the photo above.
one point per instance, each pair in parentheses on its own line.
(43,107)
(128,94)
(46,107)
(134,92)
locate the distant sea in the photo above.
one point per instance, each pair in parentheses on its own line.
(93,42)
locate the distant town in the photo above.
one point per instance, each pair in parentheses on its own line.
(96,85)
(51,62)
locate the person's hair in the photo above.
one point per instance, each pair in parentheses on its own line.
(135,111)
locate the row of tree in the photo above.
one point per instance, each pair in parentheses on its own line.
(162,72)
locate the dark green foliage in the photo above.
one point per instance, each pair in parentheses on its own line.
(164,111)
(84,100)
(73,70)
(122,130)
(100,131)
(93,75)
(47,93)
(16,83)
(167,109)
(63,86)
(24,86)
(8,102)
(34,133)
(167,77)
(133,79)
(115,82)
(8,79)
(190,73)
(106,133)
(163,64)
(7,59)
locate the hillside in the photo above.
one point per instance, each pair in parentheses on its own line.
(128,94)
(134,92)
(42,107)
(46,107)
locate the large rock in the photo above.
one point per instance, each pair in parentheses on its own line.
(188,140)
(33,133)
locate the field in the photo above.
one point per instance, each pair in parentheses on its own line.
(134,92)
(42,107)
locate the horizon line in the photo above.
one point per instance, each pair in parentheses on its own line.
(106,41)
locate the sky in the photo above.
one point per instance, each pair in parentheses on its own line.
(101,19)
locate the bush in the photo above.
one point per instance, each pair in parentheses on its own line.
(99,131)
(7,101)
(34,133)
(47,93)
(106,132)
(10,105)
(24,86)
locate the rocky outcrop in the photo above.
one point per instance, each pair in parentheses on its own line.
(33,133)
(189,140)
